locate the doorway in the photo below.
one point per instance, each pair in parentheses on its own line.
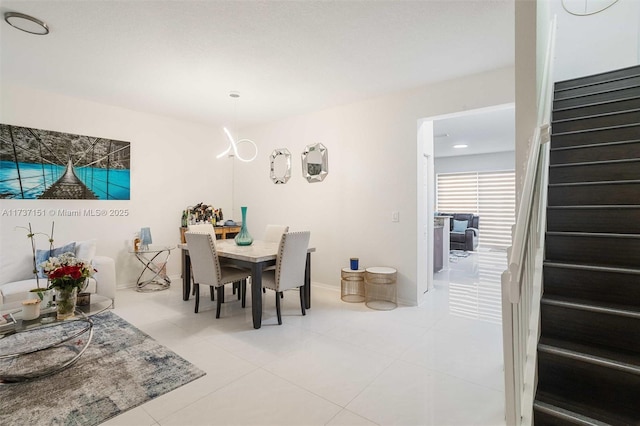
(486,141)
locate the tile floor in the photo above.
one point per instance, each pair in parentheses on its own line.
(341,364)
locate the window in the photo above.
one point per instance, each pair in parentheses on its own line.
(491,195)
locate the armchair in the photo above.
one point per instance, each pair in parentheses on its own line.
(463,236)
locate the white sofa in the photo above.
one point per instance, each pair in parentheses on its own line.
(22,279)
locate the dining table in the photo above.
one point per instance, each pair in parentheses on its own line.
(257,256)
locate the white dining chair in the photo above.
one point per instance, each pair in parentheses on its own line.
(207,228)
(202,228)
(290,267)
(272,234)
(206,268)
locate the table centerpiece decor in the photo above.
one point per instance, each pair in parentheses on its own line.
(67,276)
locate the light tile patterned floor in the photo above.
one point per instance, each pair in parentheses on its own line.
(341,364)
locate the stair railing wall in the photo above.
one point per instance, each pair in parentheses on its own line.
(522,281)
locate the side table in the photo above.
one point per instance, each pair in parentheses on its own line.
(352,285)
(154,259)
(380,288)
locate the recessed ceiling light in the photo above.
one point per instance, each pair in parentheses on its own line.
(460,146)
(26,23)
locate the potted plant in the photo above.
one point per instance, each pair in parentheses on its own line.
(43,293)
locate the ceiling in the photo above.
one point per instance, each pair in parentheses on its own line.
(483,132)
(182,58)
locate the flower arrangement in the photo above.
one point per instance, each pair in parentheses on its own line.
(66,272)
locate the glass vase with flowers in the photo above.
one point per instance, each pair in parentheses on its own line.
(67,276)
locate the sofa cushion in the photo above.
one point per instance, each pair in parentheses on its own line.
(44,255)
(86,250)
(460,225)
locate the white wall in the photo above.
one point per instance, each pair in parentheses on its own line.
(602,42)
(373,151)
(172,166)
(476,163)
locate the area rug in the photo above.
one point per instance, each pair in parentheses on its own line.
(121,369)
(454,255)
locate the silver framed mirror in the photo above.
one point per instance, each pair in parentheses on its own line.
(280,165)
(315,163)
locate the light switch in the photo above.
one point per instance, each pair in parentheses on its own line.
(395,216)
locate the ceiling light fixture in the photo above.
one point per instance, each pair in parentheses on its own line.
(233,145)
(460,146)
(26,23)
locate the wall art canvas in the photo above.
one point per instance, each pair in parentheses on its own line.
(42,164)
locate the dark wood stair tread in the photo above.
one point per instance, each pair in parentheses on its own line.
(593,163)
(600,355)
(589,266)
(595,129)
(595,104)
(608,182)
(575,413)
(594,145)
(629,311)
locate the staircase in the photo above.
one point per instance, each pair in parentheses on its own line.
(589,348)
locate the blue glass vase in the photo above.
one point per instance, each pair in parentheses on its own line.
(244,238)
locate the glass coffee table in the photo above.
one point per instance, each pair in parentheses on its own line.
(37,348)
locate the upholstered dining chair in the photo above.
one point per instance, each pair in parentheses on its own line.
(272,234)
(207,228)
(207,270)
(202,228)
(290,266)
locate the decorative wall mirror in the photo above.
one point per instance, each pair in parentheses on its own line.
(280,165)
(315,163)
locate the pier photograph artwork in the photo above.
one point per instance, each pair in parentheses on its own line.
(43,164)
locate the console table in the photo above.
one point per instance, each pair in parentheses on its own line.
(222,232)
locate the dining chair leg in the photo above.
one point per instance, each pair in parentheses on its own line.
(196,290)
(243,288)
(302,300)
(211,293)
(220,291)
(239,285)
(278,293)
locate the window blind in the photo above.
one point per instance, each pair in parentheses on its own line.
(491,195)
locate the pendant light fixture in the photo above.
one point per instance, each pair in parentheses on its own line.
(233,144)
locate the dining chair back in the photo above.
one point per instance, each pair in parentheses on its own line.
(273,233)
(207,269)
(203,228)
(290,267)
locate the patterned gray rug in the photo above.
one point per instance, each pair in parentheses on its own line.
(121,369)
